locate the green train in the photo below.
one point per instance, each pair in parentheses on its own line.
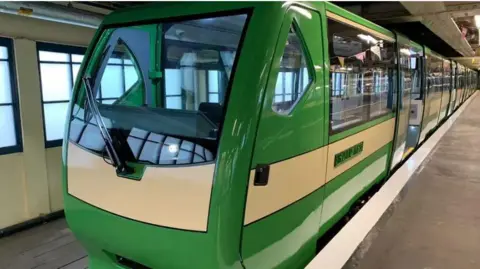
(235,135)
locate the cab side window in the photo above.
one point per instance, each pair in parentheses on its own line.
(293,77)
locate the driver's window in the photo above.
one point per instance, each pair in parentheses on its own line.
(119,77)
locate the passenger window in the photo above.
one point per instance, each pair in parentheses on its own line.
(362,76)
(293,77)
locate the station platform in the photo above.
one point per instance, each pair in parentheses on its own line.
(426,216)
(49,246)
(437,223)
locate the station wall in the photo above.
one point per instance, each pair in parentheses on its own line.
(30,180)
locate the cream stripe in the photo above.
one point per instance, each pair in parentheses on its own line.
(289,181)
(293,179)
(359,26)
(373,139)
(173,197)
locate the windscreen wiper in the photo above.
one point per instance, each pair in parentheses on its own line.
(120,164)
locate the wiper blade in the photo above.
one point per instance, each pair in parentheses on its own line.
(120,164)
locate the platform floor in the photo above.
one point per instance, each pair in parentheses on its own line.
(50,246)
(437,223)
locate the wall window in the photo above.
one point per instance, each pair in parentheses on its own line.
(10,130)
(59,66)
(362,76)
(293,77)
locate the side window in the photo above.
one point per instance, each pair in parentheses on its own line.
(59,65)
(293,77)
(362,76)
(10,130)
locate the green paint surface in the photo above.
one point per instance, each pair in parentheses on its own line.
(288,236)
(303,126)
(103,233)
(342,179)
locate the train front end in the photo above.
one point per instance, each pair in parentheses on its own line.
(156,157)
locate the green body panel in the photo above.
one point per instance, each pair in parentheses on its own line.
(219,247)
(302,126)
(288,236)
(302,129)
(340,181)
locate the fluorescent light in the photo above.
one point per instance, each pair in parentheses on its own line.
(405,51)
(477,21)
(368,38)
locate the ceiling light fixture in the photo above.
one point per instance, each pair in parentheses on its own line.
(477,21)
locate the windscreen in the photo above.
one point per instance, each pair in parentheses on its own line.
(160,89)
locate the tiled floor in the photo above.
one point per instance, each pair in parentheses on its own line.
(49,246)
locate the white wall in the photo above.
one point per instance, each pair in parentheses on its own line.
(30,181)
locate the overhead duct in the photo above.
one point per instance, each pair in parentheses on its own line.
(52,12)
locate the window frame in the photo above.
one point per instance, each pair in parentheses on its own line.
(51,47)
(346,131)
(15,103)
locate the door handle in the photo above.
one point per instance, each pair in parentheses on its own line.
(262,172)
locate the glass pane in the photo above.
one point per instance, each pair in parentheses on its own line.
(55,115)
(56,81)
(174,102)
(53,56)
(173,82)
(3,52)
(362,68)
(77,58)
(115,60)
(288,82)
(213,98)
(292,65)
(112,84)
(75,68)
(213,81)
(108,102)
(7,127)
(130,76)
(5,85)
(190,124)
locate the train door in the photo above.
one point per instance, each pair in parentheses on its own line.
(453,88)
(362,117)
(285,193)
(406,81)
(445,89)
(418,98)
(434,72)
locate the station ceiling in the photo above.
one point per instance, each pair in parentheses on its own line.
(445,27)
